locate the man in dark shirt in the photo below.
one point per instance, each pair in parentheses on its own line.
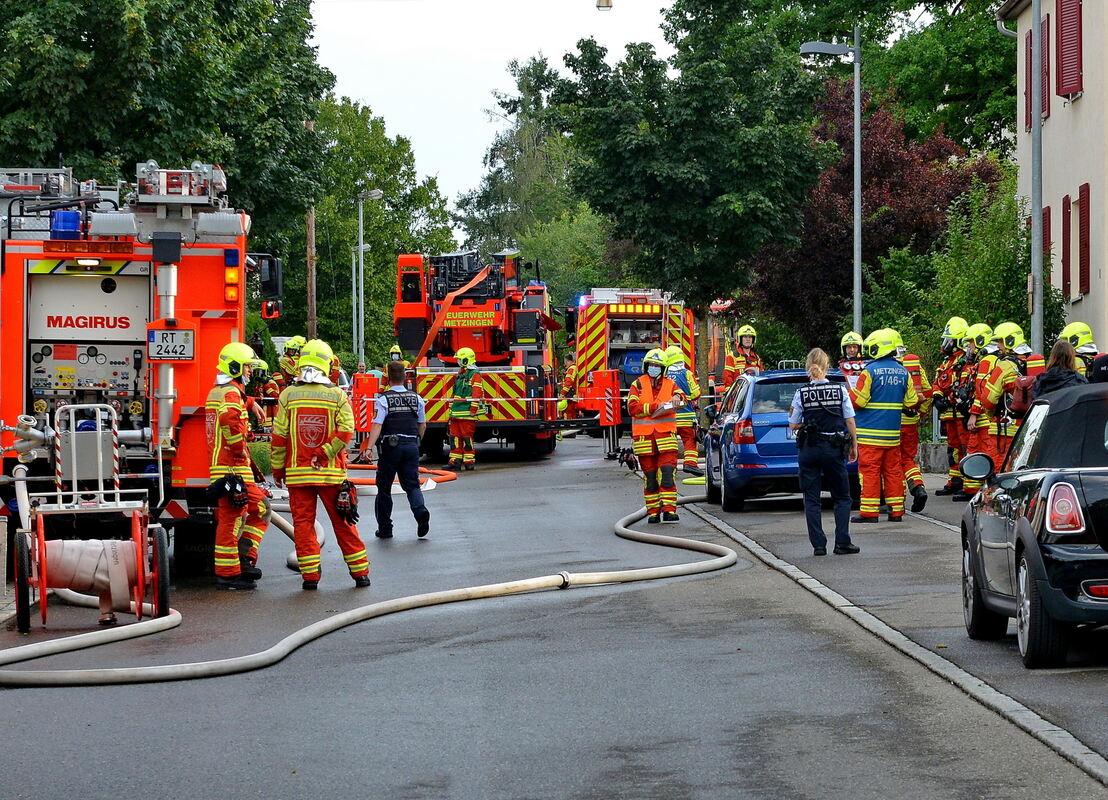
(1098,372)
(399,422)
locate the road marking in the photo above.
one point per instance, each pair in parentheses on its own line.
(1057,739)
(934,521)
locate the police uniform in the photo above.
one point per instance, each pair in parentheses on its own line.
(399,411)
(822,408)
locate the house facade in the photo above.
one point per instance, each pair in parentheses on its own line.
(1074,87)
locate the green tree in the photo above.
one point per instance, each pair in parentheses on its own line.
(411,218)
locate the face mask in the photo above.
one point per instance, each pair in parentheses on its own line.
(654,372)
(395,357)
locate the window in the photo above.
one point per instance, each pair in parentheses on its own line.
(736,398)
(1083,245)
(1068,30)
(1025,445)
(775,398)
(1066,246)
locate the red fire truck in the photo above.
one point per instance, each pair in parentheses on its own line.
(124,296)
(447,302)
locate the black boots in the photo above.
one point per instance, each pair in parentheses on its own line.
(919,498)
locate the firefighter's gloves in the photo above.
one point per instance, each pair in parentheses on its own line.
(347,502)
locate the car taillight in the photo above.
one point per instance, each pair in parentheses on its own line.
(744,432)
(1063,513)
(1097,590)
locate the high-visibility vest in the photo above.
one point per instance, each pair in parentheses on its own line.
(226,427)
(312,420)
(648,426)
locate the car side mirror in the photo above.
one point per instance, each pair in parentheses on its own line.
(977,466)
(711,412)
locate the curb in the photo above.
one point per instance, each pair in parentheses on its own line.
(1057,739)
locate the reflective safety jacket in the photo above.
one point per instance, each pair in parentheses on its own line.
(688,385)
(226,426)
(743,360)
(922,387)
(947,376)
(884,390)
(467,392)
(647,431)
(986,417)
(1002,381)
(313,420)
(1085,362)
(569,382)
(286,372)
(268,390)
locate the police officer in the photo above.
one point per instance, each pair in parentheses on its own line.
(399,422)
(823,417)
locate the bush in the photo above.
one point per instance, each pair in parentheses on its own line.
(259,451)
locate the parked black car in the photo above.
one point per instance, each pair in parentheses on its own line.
(1035,539)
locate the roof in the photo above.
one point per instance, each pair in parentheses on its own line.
(1010,9)
(1065,399)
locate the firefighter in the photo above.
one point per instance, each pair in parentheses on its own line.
(262,387)
(851,364)
(567,405)
(980,423)
(464,410)
(653,403)
(687,420)
(240,508)
(744,359)
(909,425)
(314,424)
(286,365)
(1014,360)
(1080,335)
(396,354)
(947,376)
(883,391)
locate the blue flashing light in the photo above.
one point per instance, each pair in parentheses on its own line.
(231,257)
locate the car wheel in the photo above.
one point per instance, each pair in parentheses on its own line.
(711,487)
(1042,640)
(981,623)
(729,499)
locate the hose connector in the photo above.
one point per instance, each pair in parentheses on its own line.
(565,579)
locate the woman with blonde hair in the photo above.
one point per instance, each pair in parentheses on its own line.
(823,417)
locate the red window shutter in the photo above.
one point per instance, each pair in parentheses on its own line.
(1027,84)
(1083,245)
(1045,76)
(1066,232)
(1068,33)
(1048,243)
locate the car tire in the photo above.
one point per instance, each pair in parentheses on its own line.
(711,488)
(1043,642)
(729,500)
(982,623)
(23,581)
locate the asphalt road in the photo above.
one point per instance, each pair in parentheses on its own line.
(736,684)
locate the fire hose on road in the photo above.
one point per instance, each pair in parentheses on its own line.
(722,557)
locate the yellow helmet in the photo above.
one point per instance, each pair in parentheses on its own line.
(656,356)
(880,343)
(1009,334)
(853,337)
(260,365)
(395,353)
(234,358)
(1079,334)
(316,353)
(979,334)
(466,357)
(674,355)
(955,329)
(747,330)
(293,345)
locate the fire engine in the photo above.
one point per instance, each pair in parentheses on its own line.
(447,302)
(615,328)
(123,297)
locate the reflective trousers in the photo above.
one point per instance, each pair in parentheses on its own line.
(659,488)
(461,432)
(232,522)
(909,453)
(955,433)
(881,474)
(687,435)
(979,440)
(302,501)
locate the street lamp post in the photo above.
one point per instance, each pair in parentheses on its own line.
(1036,96)
(829,49)
(359,319)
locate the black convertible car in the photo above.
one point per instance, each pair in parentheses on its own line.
(1035,539)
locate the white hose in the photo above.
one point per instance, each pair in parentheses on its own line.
(285,527)
(724,557)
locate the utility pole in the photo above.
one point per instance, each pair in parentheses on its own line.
(310,239)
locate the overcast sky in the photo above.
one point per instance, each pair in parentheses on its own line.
(429,67)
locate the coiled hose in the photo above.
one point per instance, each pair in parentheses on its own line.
(722,557)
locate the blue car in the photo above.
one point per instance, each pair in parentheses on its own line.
(748,449)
